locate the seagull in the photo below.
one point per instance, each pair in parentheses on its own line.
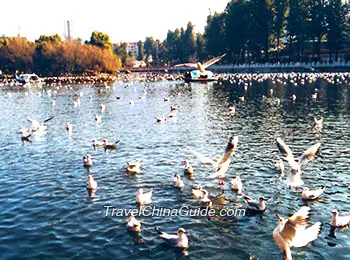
(203,196)
(339,221)
(69,126)
(188,168)
(134,167)
(24,137)
(144,197)
(160,119)
(294,179)
(98,118)
(308,194)
(254,205)
(179,240)
(293,232)
(91,183)
(201,67)
(87,160)
(37,126)
(178,183)
(97,143)
(133,224)
(108,145)
(103,107)
(236,184)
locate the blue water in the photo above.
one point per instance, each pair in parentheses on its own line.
(46,211)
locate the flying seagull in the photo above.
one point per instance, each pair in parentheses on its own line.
(293,232)
(294,179)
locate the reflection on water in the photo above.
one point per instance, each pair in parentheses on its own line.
(45,205)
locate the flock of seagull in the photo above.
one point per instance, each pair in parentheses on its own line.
(289,232)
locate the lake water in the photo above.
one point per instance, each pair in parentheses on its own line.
(46,211)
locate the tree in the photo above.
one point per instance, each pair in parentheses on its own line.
(200,47)
(280,11)
(150,48)
(337,25)
(236,28)
(260,28)
(141,48)
(16,53)
(214,34)
(297,23)
(101,40)
(189,43)
(121,50)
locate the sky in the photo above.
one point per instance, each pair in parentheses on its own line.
(123,21)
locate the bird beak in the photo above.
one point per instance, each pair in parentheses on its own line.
(278,216)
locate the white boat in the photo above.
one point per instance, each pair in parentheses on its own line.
(28,79)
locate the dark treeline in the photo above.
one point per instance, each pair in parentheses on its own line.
(259,31)
(49,55)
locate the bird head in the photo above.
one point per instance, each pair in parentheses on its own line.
(181,231)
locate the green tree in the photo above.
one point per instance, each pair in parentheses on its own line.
(236,28)
(200,47)
(141,48)
(214,34)
(280,12)
(101,40)
(189,42)
(337,25)
(121,50)
(150,49)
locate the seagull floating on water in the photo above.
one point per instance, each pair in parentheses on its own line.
(178,183)
(133,224)
(97,143)
(339,221)
(134,167)
(178,240)
(254,205)
(91,183)
(144,197)
(87,160)
(236,184)
(293,232)
(110,146)
(188,168)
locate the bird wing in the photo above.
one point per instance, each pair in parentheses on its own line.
(230,149)
(192,65)
(212,61)
(46,120)
(285,150)
(309,154)
(295,223)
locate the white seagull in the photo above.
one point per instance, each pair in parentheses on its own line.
(339,221)
(37,126)
(178,183)
(178,240)
(87,160)
(308,194)
(133,224)
(254,205)
(294,176)
(91,183)
(293,232)
(144,197)
(236,184)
